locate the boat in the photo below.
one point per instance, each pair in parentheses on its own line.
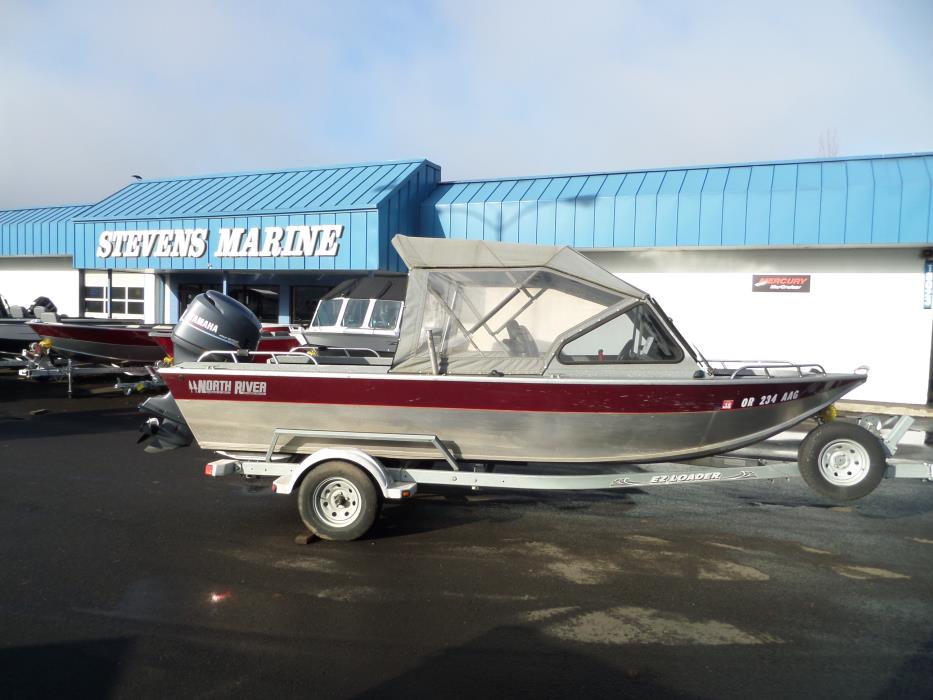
(507,353)
(111,341)
(17,331)
(360,316)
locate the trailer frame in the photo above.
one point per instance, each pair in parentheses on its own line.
(402,482)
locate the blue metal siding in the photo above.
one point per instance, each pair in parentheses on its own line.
(399,212)
(886,200)
(39,231)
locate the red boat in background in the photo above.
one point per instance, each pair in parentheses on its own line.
(136,343)
(128,343)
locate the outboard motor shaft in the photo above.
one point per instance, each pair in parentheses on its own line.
(212,321)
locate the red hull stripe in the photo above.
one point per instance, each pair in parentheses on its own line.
(492,396)
(97,334)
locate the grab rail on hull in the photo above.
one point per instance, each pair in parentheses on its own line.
(765,367)
(237,354)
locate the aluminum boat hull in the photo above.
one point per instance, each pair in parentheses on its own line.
(497,419)
(118,343)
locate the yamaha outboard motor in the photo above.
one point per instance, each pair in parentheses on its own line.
(212,321)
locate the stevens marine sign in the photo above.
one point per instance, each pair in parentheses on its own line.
(781,283)
(268,242)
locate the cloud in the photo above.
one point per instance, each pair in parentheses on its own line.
(92,93)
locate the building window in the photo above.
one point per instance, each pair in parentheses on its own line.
(125,302)
(95,300)
(262,300)
(304,301)
(187,293)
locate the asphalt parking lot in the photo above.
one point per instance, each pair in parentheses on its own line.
(131,575)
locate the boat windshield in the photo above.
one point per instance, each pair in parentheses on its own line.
(354,313)
(328,311)
(385,314)
(4,309)
(493,319)
(635,335)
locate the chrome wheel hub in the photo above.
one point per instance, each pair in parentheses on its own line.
(337,502)
(844,462)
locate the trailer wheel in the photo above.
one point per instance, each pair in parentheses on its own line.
(841,461)
(338,501)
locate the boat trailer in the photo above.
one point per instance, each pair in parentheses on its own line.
(41,364)
(340,488)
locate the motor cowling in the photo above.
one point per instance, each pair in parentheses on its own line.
(214,321)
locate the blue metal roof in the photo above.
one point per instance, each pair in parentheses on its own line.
(842,201)
(38,231)
(306,190)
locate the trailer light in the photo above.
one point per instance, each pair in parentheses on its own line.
(406,494)
(274,487)
(208,469)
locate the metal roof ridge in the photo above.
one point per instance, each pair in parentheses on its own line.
(835,159)
(222,215)
(276,171)
(404,178)
(48,207)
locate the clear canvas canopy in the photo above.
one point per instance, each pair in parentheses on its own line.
(501,307)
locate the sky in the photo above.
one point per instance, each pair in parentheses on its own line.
(94,92)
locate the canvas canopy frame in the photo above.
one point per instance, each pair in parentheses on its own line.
(470,304)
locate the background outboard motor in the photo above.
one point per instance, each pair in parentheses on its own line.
(212,321)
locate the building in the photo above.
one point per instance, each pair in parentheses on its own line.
(822,260)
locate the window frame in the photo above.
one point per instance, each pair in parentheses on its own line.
(661,326)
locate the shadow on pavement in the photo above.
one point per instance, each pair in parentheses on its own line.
(84,669)
(538,668)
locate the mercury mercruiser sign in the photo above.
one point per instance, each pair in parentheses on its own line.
(255,242)
(781,283)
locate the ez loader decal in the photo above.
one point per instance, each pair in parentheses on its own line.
(670,479)
(226,387)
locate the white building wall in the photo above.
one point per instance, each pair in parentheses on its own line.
(865,307)
(22,279)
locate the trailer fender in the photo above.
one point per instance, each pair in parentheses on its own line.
(289,482)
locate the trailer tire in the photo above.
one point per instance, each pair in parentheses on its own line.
(841,461)
(338,501)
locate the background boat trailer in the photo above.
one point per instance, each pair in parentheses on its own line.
(333,481)
(45,367)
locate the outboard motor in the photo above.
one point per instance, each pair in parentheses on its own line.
(212,321)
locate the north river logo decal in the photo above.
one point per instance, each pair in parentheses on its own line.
(226,387)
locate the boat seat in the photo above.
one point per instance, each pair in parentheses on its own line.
(520,341)
(17,312)
(288,359)
(48,317)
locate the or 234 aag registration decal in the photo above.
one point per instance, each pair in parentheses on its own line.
(768,399)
